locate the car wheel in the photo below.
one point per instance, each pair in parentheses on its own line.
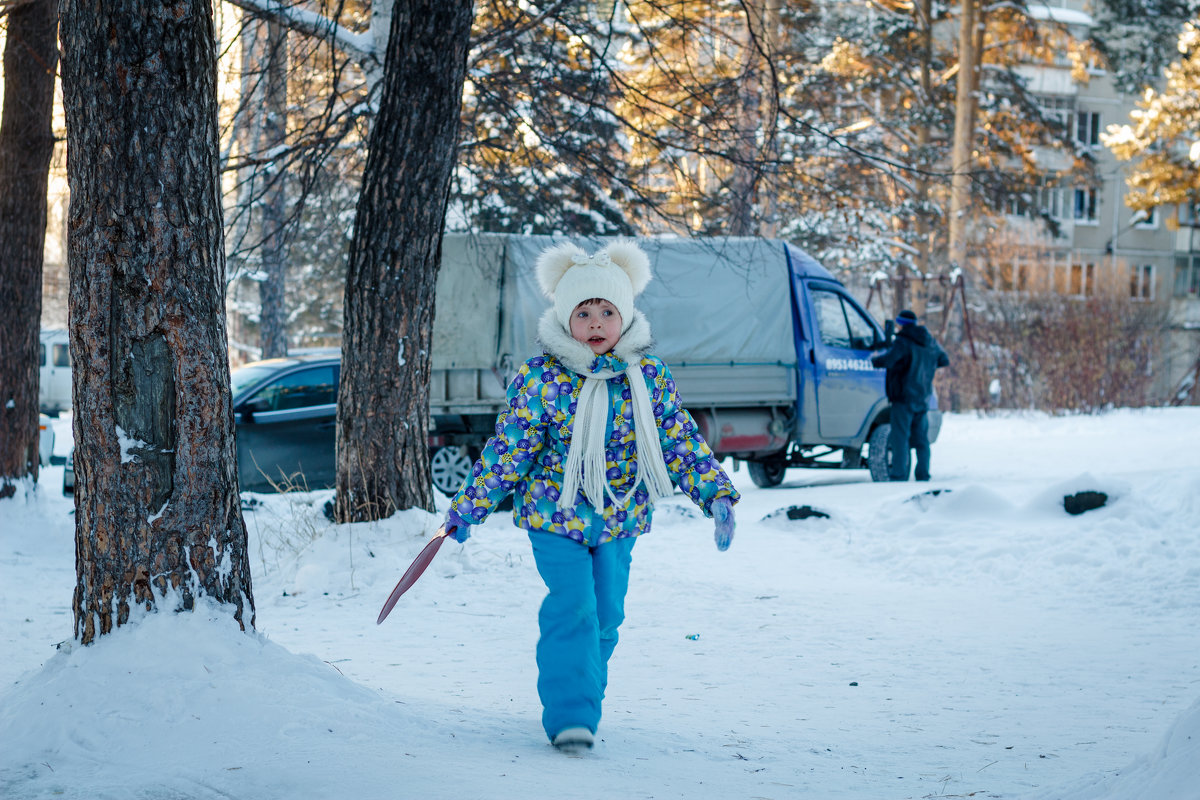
(450,467)
(879,456)
(766,474)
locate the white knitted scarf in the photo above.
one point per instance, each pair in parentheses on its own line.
(586,466)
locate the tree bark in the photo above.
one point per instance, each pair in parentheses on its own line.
(383,400)
(26,146)
(772,11)
(158,518)
(964,135)
(923,187)
(747,121)
(273,289)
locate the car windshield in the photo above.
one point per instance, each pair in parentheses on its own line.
(243,379)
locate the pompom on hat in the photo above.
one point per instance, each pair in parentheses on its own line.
(617,273)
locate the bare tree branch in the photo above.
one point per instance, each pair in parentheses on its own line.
(359,46)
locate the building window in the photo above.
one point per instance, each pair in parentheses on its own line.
(1189,215)
(1087,128)
(1009,276)
(1082,280)
(1048,271)
(1057,108)
(1146,220)
(1085,206)
(1141,281)
(1187,276)
(1052,202)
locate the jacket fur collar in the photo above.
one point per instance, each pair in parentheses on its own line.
(578,357)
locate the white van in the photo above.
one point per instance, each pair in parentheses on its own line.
(54,382)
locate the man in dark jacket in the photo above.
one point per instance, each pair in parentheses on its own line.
(910,362)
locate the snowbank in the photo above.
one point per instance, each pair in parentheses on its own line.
(1170,771)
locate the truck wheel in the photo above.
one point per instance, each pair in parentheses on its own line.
(766,474)
(879,457)
(450,466)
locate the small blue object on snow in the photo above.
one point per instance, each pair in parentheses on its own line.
(693,636)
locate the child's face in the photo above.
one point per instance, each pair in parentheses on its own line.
(596,323)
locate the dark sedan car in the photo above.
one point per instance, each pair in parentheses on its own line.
(285,410)
(286,415)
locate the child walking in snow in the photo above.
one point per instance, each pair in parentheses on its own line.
(594,433)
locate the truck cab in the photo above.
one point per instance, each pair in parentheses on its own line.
(841,392)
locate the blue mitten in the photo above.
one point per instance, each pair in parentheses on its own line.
(456,527)
(722,511)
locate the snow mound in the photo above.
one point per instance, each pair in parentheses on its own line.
(798,518)
(1050,501)
(174,701)
(969,502)
(1169,771)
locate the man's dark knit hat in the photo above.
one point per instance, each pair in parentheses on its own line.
(906,317)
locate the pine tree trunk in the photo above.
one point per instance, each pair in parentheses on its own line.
(383,400)
(747,116)
(158,518)
(923,187)
(273,290)
(964,135)
(26,145)
(769,44)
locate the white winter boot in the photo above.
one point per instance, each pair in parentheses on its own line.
(573,740)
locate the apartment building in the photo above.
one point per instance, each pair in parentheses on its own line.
(1101,245)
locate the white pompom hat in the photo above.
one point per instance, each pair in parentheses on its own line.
(617,273)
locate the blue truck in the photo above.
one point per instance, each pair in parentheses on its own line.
(770,352)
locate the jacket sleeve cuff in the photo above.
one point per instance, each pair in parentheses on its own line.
(453,520)
(729,496)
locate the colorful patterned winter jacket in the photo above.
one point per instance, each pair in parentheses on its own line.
(527,453)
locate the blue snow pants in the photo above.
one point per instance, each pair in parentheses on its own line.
(578,621)
(910,429)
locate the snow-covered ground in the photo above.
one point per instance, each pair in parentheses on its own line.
(972,642)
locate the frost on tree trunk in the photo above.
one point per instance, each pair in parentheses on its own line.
(158,519)
(383,401)
(26,145)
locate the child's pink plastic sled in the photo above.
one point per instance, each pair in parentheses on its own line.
(423,559)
